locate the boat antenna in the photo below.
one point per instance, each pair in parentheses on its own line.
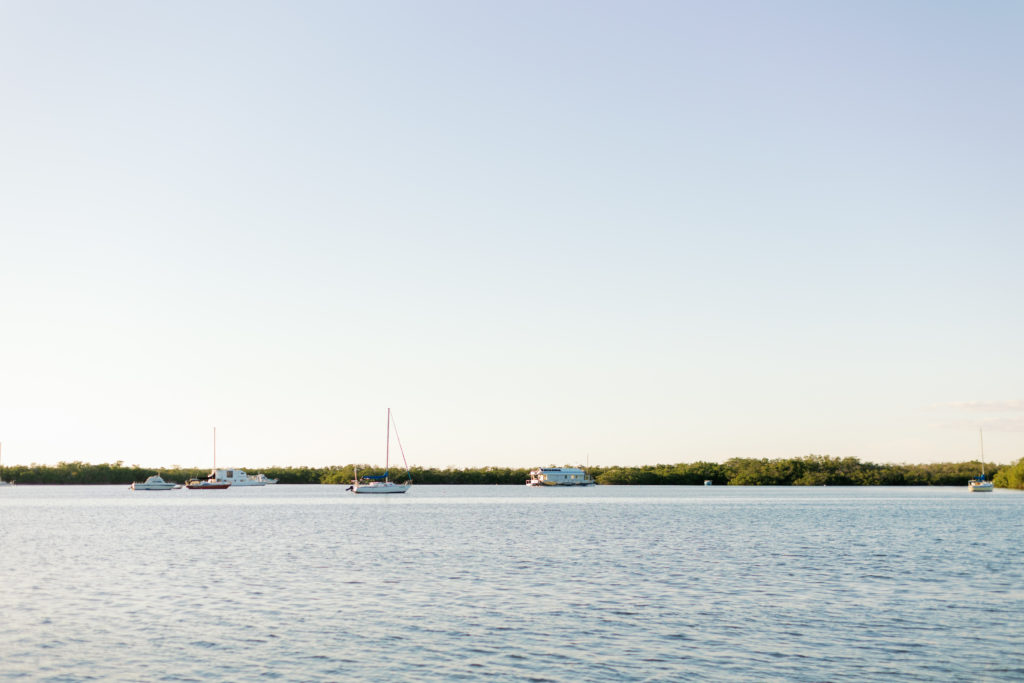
(214,448)
(387,447)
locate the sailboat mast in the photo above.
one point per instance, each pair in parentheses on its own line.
(387,447)
(981,440)
(214,448)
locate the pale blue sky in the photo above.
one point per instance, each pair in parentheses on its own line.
(539,231)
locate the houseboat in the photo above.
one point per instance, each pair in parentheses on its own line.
(239,478)
(559,476)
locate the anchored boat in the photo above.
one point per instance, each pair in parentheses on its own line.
(980,484)
(210,483)
(154,483)
(381,483)
(240,478)
(559,476)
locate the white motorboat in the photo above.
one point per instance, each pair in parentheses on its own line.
(264,479)
(380,483)
(559,476)
(155,483)
(979,484)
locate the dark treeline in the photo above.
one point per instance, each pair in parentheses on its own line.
(811,470)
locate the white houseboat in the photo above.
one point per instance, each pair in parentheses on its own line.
(559,476)
(239,478)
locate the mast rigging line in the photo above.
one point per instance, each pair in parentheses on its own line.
(399,440)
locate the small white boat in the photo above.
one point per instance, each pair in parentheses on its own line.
(559,476)
(155,483)
(708,482)
(380,487)
(979,484)
(264,479)
(380,483)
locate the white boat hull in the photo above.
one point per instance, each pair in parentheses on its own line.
(154,483)
(381,488)
(980,487)
(237,477)
(559,476)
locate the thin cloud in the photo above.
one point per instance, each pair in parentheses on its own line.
(1015,406)
(989,424)
(992,416)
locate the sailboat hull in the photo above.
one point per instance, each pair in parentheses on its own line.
(980,486)
(381,488)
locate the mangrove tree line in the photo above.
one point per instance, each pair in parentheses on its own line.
(811,470)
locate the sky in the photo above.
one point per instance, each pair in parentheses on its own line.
(615,233)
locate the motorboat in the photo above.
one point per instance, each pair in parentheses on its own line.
(154,483)
(559,476)
(264,479)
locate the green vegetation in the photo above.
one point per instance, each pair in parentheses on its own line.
(1011,477)
(811,470)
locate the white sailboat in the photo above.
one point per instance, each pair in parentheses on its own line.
(980,484)
(2,482)
(380,483)
(210,483)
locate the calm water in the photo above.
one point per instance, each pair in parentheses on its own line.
(512,583)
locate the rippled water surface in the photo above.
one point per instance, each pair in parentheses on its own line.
(512,583)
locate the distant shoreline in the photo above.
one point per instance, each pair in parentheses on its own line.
(811,470)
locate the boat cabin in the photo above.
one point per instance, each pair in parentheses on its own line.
(232,476)
(559,476)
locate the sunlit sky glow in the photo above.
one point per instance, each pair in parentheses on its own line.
(541,232)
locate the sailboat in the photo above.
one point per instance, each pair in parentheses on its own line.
(2,482)
(210,482)
(980,484)
(380,483)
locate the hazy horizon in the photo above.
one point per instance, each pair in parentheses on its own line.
(539,232)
